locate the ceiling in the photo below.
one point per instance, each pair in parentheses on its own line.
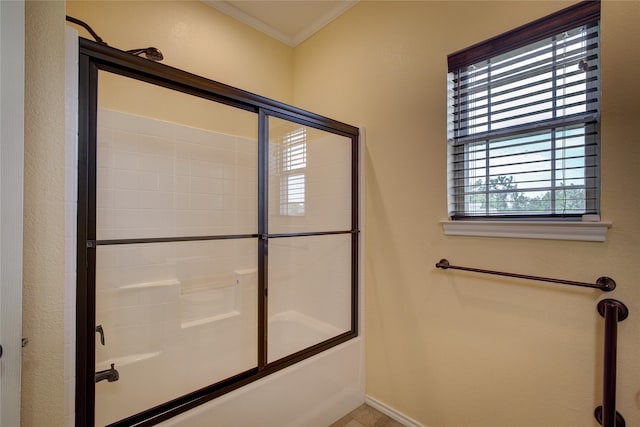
(291,22)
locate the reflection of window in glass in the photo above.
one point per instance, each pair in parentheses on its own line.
(523,121)
(292,178)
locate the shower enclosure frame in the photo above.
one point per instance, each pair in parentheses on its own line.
(95,57)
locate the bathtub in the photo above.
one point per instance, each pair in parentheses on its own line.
(314,392)
(292,331)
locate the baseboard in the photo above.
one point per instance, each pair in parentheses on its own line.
(392,413)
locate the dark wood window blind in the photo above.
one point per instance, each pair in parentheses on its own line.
(523,113)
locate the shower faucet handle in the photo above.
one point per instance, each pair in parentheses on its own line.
(101,332)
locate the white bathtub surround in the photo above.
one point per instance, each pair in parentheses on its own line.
(176,357)
(157,178)
(304,293)
(312,393)
(162,332)
(292,331)
(183,315)
(180,315)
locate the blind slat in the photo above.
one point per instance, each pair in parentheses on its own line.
(481,87)
(543,50)
(542,138)
(526,129)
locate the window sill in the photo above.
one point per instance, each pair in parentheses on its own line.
(556,230)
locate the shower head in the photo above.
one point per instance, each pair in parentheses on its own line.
(151,53)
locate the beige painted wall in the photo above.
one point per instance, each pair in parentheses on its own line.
(196,38)
(446,348)
(43,275)
(451,348)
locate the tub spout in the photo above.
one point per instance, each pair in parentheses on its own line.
(110,375)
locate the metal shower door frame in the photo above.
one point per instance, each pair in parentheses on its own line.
(95,57)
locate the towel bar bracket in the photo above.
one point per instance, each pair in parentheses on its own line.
(620,422)
(607,284)
(623,311)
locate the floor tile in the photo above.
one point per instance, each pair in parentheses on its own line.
(342,422)
(346,421)
(388,422)
(366,416)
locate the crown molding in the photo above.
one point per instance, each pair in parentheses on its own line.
(230,10)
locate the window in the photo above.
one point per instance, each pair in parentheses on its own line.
(293,164)
(523,128)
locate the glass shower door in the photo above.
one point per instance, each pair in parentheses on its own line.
(311,256)
(217,238)
(176,245)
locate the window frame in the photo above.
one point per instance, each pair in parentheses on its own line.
(586,13)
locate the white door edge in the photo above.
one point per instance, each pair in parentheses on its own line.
(12,29)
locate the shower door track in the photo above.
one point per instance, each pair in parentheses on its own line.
(96,57)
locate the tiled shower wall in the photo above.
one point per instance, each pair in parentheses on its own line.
(161,179)
(311,275)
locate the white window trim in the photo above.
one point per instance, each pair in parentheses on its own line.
(549,230)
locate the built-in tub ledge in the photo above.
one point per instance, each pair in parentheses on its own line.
(207,320)
(156,284)
(125,360)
